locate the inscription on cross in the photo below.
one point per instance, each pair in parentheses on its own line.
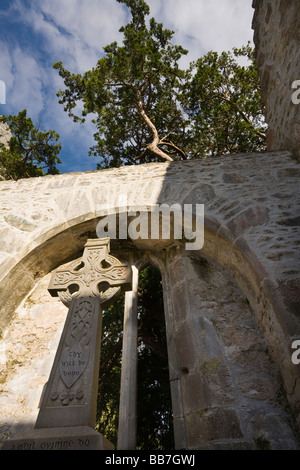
(70,396)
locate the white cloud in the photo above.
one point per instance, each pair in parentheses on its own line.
(23,78)
(202,25)
(27,91)
(5,64)
(75,32)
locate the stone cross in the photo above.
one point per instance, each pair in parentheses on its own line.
(70,396)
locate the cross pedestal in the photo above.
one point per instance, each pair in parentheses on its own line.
(69,402)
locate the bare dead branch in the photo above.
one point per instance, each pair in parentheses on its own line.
(177,149)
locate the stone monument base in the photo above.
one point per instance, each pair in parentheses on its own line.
(64,438)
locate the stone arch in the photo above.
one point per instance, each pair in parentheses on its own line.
(160,373)
(234,256)
(184,376)
(234,232)
(52,250)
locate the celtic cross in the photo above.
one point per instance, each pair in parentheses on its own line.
(70,396)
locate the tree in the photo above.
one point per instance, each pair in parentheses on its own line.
(146,108)
(222,100)
(154,409)
(110,370)
(30,151)
(134,91)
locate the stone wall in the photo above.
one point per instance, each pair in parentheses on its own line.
(27,352)
(226,391)
(251,234)
(5,134)
(276,25)
(232,307)
(251,201)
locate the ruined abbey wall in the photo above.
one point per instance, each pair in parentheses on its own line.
(276,25)
(4,133)
(231,307)
(251,239)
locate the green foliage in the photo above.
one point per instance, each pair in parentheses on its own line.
(147,109)
(222,100)
(110,371)
(155,419)
(133,91)
(29,151)
(154,409)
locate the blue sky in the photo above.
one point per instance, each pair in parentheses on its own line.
(36,33)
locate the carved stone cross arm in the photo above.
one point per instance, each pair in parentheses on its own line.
(70,397)
(96,271)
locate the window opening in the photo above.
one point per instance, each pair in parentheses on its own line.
(154,408)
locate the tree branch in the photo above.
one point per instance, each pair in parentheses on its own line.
(244,116)
(153,146)
(170,144)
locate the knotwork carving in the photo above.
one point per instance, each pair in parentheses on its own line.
(91,275)
(83,286)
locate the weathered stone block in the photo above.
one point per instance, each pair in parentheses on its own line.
(252,193)
(204,426)
(186,346)
(290,292)
(247,219)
